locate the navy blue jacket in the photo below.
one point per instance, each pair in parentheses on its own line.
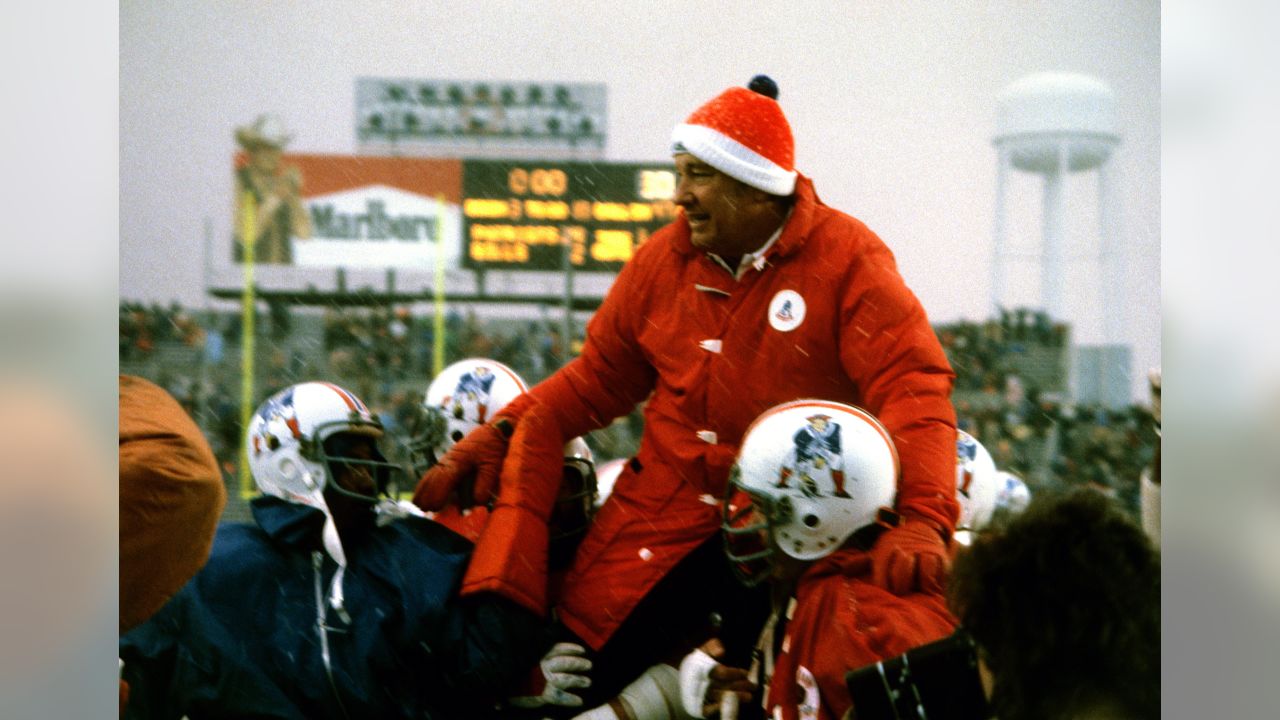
(242,639)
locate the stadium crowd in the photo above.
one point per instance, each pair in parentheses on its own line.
(385,355)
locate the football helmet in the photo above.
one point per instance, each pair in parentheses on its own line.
(464,396)
(813,473)
(575,504)
(1012,494)
(295,442)
(975,482)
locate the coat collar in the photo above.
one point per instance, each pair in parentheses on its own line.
(794,233)
(287,522)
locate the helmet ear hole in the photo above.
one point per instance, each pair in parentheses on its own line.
(810,520)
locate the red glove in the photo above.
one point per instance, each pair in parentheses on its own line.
(912,557)
(511,555)
(476,457)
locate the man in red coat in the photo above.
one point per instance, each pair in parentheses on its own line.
(757,294)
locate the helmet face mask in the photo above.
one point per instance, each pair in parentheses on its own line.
(747,521)
(809,474)
(341,455)
(426,433)
(575,504)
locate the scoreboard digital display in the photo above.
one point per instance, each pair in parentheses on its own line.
(521,215)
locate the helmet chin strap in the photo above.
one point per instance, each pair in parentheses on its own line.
(333,545)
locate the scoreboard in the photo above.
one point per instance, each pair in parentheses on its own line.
(522,215)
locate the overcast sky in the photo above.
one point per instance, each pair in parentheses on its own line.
(892,106)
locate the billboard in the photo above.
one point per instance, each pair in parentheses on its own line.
(457,118)
(332,210)
(519,215)
(395,212)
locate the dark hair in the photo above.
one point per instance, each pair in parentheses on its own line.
(1064,604)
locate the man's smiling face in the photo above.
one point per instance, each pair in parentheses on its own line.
(724,215)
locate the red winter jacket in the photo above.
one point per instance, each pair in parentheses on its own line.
(841,621)
(826,316)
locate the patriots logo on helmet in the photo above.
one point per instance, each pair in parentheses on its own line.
(277,408)
(816,453)
(473,390)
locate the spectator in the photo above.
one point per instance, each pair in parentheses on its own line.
(1064,605)
(171,495)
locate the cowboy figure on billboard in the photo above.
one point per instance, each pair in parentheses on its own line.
(817,450)
(472,389)
(279,215)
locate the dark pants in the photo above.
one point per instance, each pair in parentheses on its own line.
(699,599)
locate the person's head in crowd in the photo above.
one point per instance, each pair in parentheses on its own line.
(171,496)
(787,503)
(1063,601)
(735,158)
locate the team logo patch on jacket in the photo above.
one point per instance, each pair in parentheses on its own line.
(786,311)
(808,709)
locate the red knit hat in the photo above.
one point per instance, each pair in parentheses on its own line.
(743,134)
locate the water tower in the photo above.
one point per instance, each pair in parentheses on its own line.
(1052,125)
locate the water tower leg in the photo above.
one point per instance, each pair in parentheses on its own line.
(1052,278)
(999,255)
(1111,259)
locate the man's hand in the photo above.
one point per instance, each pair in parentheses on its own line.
(478,457)
(564,668)
(911,557)
(704,682)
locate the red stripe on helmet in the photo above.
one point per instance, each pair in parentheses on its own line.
(353,402)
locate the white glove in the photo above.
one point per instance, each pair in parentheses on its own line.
(655,695)
(695,680)
(706,684)
(565,668)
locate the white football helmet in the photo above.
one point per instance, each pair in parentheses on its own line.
(975,482)
(1012,493)
(464,396)
(816,472)
(288,442)
(295,442)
